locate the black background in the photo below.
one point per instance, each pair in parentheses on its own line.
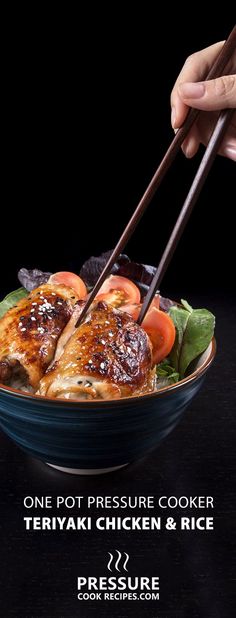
(88,120)
(88,123)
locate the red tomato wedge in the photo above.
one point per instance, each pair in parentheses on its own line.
(134,310)
(73,281)
(129,292)
(161,330)
(155,302)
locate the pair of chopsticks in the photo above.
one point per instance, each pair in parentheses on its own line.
(201,175)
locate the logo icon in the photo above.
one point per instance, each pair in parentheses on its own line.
(117,563)
(118,584)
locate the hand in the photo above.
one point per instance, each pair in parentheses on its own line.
(210,96)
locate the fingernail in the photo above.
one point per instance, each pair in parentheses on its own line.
(187,151)
(230,152)
(173,117)
(191,90)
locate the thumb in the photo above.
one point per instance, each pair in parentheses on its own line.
(211,95)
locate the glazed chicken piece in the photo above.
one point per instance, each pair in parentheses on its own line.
(107,357)
(29,333)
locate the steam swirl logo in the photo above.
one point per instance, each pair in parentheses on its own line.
(118,584)
(117,561)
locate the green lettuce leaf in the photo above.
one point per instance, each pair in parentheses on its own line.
(166,373)
(194,331)
(12,299)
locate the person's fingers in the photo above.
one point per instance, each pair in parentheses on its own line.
(202,132)
(211,95)
(191,143)
(194,69)
(190,91)
(206,125)
(229,151)
(179,111)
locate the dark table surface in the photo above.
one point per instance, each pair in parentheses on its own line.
(197,578)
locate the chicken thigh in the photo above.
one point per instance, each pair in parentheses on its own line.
(107,357)
(29,333)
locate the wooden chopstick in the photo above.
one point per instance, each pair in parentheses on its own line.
(198,182)
(216,70)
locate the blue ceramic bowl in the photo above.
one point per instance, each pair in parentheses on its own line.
(91,437)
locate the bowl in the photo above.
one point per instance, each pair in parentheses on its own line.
(94,437)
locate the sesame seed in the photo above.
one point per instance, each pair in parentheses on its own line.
(34,303)
(107,322)
(32,318)
(40,313)
(58,302)
(102,365)
(90,361)
(49,317)
(103,341)
(32,310)
(110,334)
(22,329)
(20,323)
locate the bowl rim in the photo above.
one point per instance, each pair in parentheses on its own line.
(106,402)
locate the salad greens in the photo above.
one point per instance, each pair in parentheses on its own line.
(194,331)
(140,273)
(31,279)
(166,373)
(11,299)
(194,327)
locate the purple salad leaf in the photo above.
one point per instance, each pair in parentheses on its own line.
(93,267)
(143,273)
(166,304)
(31,279)
(140,273)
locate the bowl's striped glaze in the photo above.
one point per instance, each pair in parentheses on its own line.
(97,434)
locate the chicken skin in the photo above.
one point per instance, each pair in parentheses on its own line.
(29,333)
(107,357)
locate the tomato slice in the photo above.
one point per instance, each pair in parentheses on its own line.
(158,325)
(155,302)
(116,298)
(161,330)
(134,309)
(130,293)
(71,280)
